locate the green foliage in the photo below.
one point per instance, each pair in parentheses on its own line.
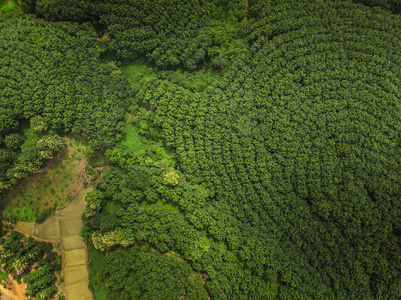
(39,124)
(130,274)
(97,284)
(7,123)
(9,8)
(169,33)
(196,81)
(59,88)
(166,31)
(392,5)
(93,201)
(13,141)
(49,144)
(171,178)
(66,85)
(41,282)
(280,179)
(290,163)
(19,254)
(6,160)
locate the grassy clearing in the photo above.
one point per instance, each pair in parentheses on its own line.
(73,242)
(138,146)
(75,257)
(9,9)
(24,227)
(49,229)
(51,189)
(133,142)
(75,274)
(138,72)
(95,265)
(70,226)
(78,291)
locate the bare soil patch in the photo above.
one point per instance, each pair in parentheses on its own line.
(17,291)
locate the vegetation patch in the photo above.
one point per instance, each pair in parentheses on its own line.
(278,167)
(24,227)
(175,276)
(9,8)
(30,261)
(253,150)
(73,242)
(75,257)
(51,189)
(97,284)
(75,274)
(78,291)
(49,229)
(70,226)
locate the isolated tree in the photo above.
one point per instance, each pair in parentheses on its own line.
(39,124)
(49,144)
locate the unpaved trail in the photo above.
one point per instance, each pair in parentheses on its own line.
(130,117)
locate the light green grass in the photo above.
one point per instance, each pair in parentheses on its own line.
(133,142)
(138,72)
(70,226)
(137,146)
(75,274)
(171,206)
(95,266)
(73,242)
(75,257)
(25,214)
(78,291)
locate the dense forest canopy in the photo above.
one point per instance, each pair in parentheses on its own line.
(52,70)
(51,78)
(168,32)
(279,180)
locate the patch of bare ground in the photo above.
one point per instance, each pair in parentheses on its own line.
(16,291)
